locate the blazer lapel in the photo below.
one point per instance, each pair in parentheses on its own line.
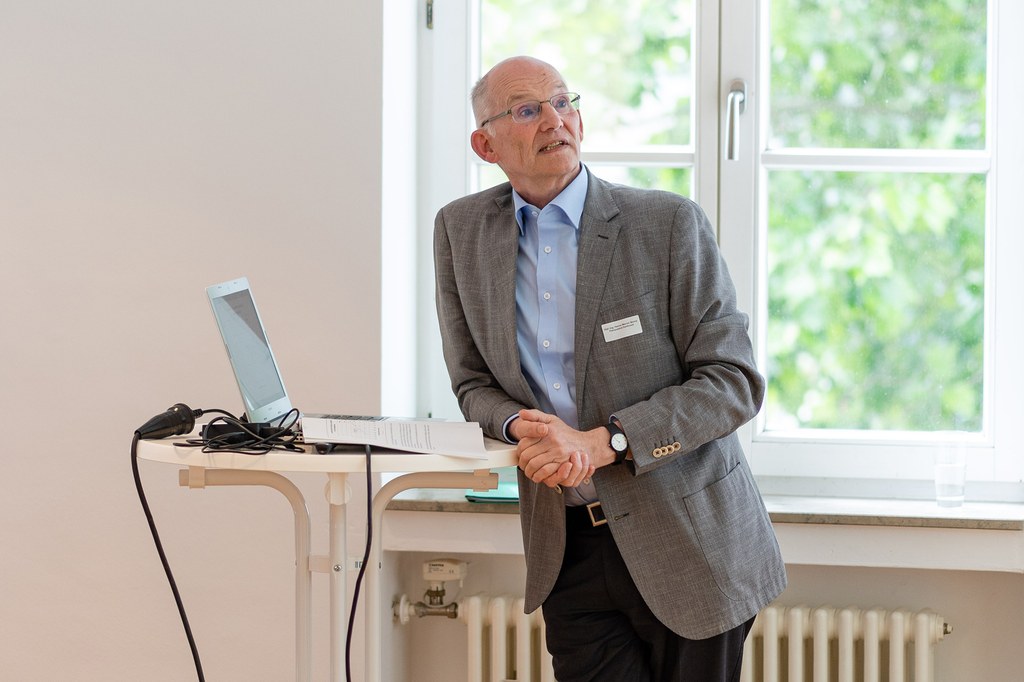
(502,251)
(597,238)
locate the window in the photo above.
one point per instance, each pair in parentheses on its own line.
(867,212)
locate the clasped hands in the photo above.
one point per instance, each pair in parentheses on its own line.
(555,454)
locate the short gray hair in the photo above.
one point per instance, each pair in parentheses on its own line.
(479,96)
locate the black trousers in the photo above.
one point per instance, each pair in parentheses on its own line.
(600,630)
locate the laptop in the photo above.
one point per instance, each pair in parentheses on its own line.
(266,400)
(256,372)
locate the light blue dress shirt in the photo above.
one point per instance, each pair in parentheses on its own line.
(546,304)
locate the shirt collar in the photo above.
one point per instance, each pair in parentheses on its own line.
(570,200)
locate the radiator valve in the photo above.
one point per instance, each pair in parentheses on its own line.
(439,571)
(436,572)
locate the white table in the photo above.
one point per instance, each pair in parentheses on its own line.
(427,471)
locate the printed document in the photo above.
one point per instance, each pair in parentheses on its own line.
(459,439)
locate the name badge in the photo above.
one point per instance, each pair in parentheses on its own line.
(620,329)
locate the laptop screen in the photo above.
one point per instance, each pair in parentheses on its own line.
(256,372)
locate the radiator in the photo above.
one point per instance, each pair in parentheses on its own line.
(786,644)
(505,644)
(841,645)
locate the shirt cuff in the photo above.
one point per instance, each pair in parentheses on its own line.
(504,430)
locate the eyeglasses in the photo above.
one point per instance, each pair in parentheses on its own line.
(528,112)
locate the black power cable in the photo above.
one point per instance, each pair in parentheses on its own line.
(179,420)
(163,558)
(243,438)
(362,568)
(227,433)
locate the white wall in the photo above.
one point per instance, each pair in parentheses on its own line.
(148,149)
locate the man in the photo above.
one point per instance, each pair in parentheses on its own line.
(596,326)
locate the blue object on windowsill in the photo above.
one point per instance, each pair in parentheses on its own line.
(507,491)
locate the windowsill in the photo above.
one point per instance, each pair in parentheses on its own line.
(895,513)
(788,509)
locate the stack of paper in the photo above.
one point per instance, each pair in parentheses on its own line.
(459,439)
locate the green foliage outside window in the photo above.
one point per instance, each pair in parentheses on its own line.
(876,280)
(878,74)
(876,301)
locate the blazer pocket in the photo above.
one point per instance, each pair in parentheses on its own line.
(646,306)
(734,532)
(649,339)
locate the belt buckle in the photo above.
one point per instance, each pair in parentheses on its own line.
(594,521)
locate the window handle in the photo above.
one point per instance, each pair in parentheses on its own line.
(735,104)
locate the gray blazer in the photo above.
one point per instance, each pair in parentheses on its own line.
(686,515)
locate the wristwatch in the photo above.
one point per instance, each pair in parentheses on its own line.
(618,442)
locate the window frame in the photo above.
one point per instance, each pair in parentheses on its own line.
(885,464)
(869,462)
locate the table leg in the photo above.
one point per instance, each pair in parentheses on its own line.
(479,480)
(198,477)
(337,497)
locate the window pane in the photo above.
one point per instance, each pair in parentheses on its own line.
(488,176)
(876,301)
(630,61)
(878,74)
(664,178)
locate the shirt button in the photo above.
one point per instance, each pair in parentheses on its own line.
(557,386)
(546,344)
(547,249)
(547,296)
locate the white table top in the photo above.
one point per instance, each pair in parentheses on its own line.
(350,459)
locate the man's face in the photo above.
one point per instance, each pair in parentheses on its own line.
(542,157)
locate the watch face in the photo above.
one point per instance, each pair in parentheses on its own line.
(619,443)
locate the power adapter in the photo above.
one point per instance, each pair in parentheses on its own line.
(232,434)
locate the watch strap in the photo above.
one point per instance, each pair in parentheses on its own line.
(614,429)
